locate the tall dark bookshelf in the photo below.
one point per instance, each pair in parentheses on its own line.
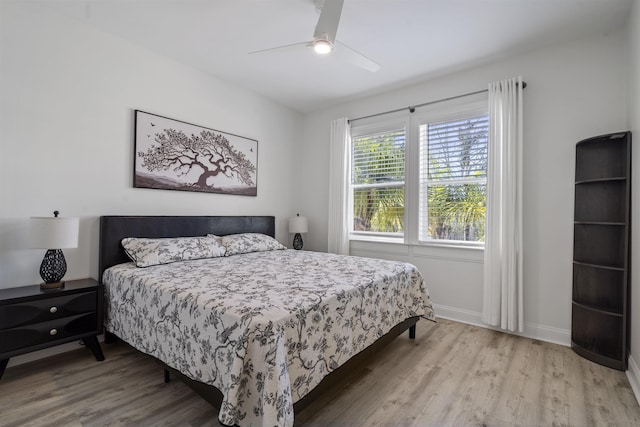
(601,240)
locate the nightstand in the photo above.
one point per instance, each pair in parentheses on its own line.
(33,319)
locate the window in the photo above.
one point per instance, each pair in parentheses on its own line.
(453,178)
(421,178)
(377,182)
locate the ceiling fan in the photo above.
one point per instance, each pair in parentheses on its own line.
(324,38)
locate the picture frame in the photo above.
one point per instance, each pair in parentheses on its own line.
(171,154)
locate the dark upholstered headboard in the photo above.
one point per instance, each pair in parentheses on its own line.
(115,228)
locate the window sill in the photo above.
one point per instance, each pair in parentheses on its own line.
(396,247)
(450,245)
(400,241)
(378,239)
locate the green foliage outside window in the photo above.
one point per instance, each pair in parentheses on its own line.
(453,181)
(457,212)
(457,170)
(378,174)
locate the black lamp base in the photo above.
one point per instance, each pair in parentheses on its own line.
(56,285)
(297,241)
(53,269)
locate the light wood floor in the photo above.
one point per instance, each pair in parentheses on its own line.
(452,375)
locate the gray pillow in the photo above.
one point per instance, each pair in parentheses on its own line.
(146,252)
(249,242)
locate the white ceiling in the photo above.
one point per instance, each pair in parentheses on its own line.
(412,40)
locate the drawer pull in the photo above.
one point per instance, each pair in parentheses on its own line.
(53,331)
(53,309)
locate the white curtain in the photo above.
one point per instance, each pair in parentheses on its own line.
(503,289)
(339,195)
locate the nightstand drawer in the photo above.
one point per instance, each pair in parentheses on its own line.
(42,310)
(46,332)
(32,318)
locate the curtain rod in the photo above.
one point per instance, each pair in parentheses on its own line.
(412,108)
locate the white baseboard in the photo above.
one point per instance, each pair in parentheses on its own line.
(459,315)
(548,334)
(633,374)
(538,332)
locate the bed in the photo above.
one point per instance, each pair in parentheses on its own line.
(258,330)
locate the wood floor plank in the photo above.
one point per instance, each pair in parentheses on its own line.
(452,374)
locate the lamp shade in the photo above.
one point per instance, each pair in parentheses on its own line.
(298,224)
(53,233)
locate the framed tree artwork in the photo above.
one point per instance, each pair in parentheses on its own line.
(175,155)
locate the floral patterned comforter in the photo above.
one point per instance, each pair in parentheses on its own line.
(264,327)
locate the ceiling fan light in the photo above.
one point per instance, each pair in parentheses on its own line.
(322,46)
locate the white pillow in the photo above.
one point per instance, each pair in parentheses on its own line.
(248,242)
(147,252)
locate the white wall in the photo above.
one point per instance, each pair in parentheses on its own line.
(67,95)
(66,137)
(576,90)
(634,121)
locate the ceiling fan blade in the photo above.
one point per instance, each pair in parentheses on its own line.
(284,48)
(327,25)
(346,54)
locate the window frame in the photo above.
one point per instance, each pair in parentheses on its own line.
(370,127)
(453,113)
(437,112)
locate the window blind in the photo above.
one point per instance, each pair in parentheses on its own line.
(377,181)
(378,158)
(453,172)
(455,150)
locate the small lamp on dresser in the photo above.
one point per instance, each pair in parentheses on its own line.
(53,234)
(298,224)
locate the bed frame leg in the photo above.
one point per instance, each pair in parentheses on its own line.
(412,332)
(109,338)
(167,376)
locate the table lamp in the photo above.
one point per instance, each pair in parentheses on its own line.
(298,224)
(53,234)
